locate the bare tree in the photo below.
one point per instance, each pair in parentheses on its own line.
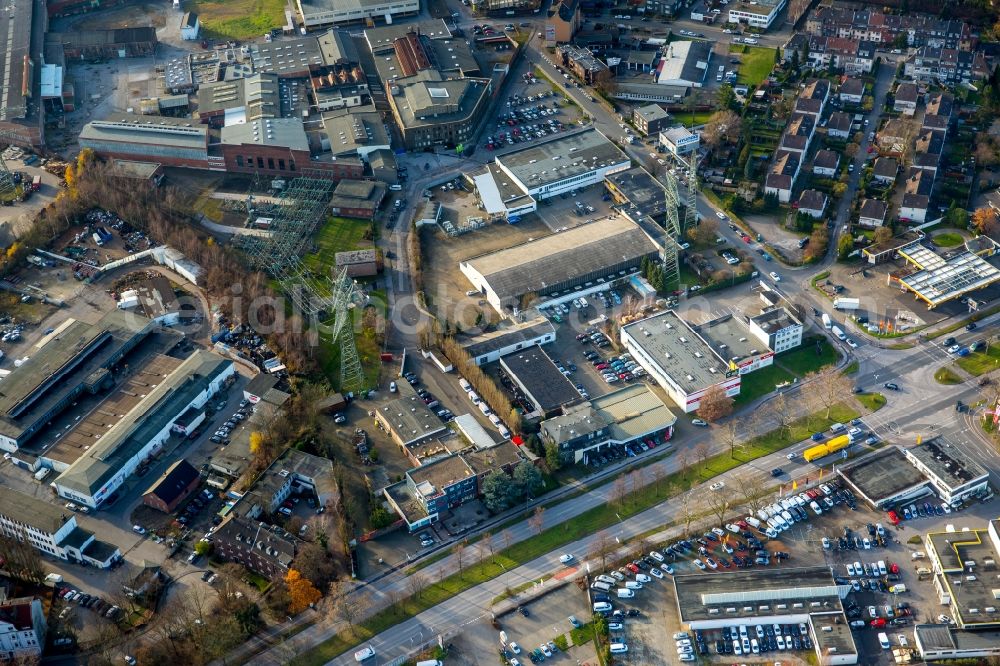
(619,489)
(635,480)
(602,546)
(720,505)
(506,538)
(537,520)
(830,387)
(729,433)
(701,451)
(458,552)
(684,460)
(415,584)
(686,512)
(752,497)
(778,410)
(658,475)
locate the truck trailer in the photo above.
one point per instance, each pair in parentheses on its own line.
(846,303)
(826,448)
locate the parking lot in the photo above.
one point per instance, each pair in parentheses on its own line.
(545,620)
(533,114)
(863,548)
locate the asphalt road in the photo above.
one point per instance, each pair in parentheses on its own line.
(921,407)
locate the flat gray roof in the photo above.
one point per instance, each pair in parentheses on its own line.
(75,354)
(156,411)
(409,417)
(630,412)
(159,130)
(971,595)
(882,475)
(730,338)
(44,516)
(944,637)
(278,132)
(540,379)
(511,335)
(15,50)
(951,466)
(680,351)
(756,593)
(563,157)
(542,264)
(833,634)
(646,195)
(382,37)
(287,57)
(941,279)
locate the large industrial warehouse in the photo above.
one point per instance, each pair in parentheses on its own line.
(560,264)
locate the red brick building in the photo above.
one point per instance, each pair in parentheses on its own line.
(177,483)
(278,147)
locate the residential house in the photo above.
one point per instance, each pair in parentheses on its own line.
(940,104)
(872,213)
(913,28)
(916,195)
(798,133)
(894,136)
(946,66)
(267,550)
(781,178)
(825,163)
(812,203)
(906,99)
(852,91)
(928,150)
(22,630)
(884,171)
(849,55)
(839,125)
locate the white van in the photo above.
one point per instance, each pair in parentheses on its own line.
(463,382)
(881,568)
(643,578)
(484,408)
(625,593)
(600,585)
(602,607)
(473,397)
(898,588)
(883,640)
(618,648)
(633,585)
(430,662)
(753,522)
(838,427)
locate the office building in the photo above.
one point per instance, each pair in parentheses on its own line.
(53,530)
(539,380)
(489,347)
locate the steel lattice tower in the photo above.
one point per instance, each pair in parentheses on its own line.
(691,204)
(329,301)
(672,239)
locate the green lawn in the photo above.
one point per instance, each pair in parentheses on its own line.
(807,358)
(948,240)
(945,375)
(761,382)
(872,401)
(583,524)
(757,64)
(692,119)
(852,368)
(582,635)
(365,339)
(237,19)
(978,363)
(337,234)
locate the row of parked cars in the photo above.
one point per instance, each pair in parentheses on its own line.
(625,583)
(614,452)
(221,435)
(93,602)
(484,408)
(780,516)
(743,640)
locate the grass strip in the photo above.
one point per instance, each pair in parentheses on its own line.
(978,363)
(871,401)
(581,525)
(981,314)
(946,376)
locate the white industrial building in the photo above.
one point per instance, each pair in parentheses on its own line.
(777,329)
(759,13)
(679,359)
(684,63)
(561,266)
(518,180)
(797,595)
(143,431)
(317,13)
(489,347)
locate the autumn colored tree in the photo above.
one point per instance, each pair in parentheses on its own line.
(984,220)
(715,404)
(882,234)
(301,592)
(256,442)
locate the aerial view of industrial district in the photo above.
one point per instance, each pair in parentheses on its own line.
(500,332)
